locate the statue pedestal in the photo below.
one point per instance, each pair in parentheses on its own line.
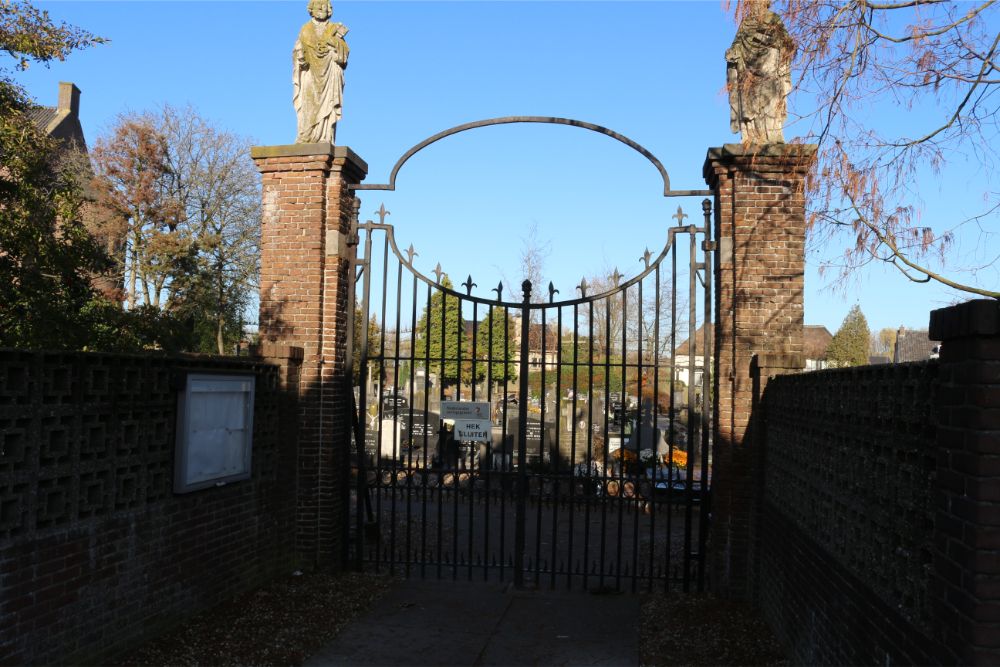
(760,228)
(307,213)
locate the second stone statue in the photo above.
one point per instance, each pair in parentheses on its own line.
(320,57)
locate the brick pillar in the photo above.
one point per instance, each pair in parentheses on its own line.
(760,261)
(308,210)
(966,583)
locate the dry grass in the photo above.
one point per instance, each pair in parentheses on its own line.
(282,623)
(702,630)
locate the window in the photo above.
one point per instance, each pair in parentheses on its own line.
(214,431)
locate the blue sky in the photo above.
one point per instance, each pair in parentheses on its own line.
(653,71)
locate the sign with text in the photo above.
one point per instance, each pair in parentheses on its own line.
(478,410)
(473,430)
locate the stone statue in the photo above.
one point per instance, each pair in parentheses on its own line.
(759,77)
(320,57)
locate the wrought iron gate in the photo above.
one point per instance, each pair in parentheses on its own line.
(597,469)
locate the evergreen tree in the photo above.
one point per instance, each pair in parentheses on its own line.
(849,346)
(497,354)
(442,344)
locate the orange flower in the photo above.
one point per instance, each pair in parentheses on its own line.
(679,458)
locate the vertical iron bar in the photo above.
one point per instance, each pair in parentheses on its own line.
(656,421)
(362,398)
(540,475)
(638,448)
(426,392)
(673,405)
(458,452)
(557,451)
(572,455)
(692,355)
(606,497)
(441,449)
(522,439)
(708,355)
(590,442)
(642,468)
(489,446)
(473,454)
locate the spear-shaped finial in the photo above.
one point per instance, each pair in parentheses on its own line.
(469,285)
(381,213)
(438,272)
(410,254)
(583,287)
(552,292)
(499,290)
(616,278)
(646,256)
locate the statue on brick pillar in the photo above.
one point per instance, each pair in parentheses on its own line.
(759,76)
(320,57)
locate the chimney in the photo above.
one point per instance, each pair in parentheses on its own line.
(69,98)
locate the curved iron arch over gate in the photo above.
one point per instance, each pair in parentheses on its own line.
(545,120)
(595,470)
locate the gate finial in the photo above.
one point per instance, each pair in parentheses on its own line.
(381,213)
(468,284)
(679,216)
(552,292)
(410,254)
(645,257)
(583,287)
(499,290)
(526,288)
(438,272)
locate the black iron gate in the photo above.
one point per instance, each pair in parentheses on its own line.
(596,469)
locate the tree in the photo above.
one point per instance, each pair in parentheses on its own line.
(856,56)
(496,355)
(133,187)
(884,342)
(849,346)
(46,254)
(183,197)
(374,337)
(440,334)
(218,190)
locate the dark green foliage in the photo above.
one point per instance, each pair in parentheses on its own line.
(446,345)
(498,350)
(849,346)
(46,255)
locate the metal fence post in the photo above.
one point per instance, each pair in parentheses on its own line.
(522,439)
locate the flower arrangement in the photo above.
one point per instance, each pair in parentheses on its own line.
(624,455)
(679,459)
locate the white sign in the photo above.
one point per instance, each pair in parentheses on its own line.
(465,410)
(473,430)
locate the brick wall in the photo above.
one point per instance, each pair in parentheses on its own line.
(879,522)
(96,551)
(846,524)
(308,209)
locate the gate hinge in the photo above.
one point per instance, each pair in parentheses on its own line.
(709,245)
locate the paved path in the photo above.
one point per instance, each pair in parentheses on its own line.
(458,623)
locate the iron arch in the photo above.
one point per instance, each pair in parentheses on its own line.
(507,120)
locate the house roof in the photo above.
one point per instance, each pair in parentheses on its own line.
(699,346)
(913,345)
(815,339)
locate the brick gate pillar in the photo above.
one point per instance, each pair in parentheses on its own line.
(965,584)
(759,267)
(307,215)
